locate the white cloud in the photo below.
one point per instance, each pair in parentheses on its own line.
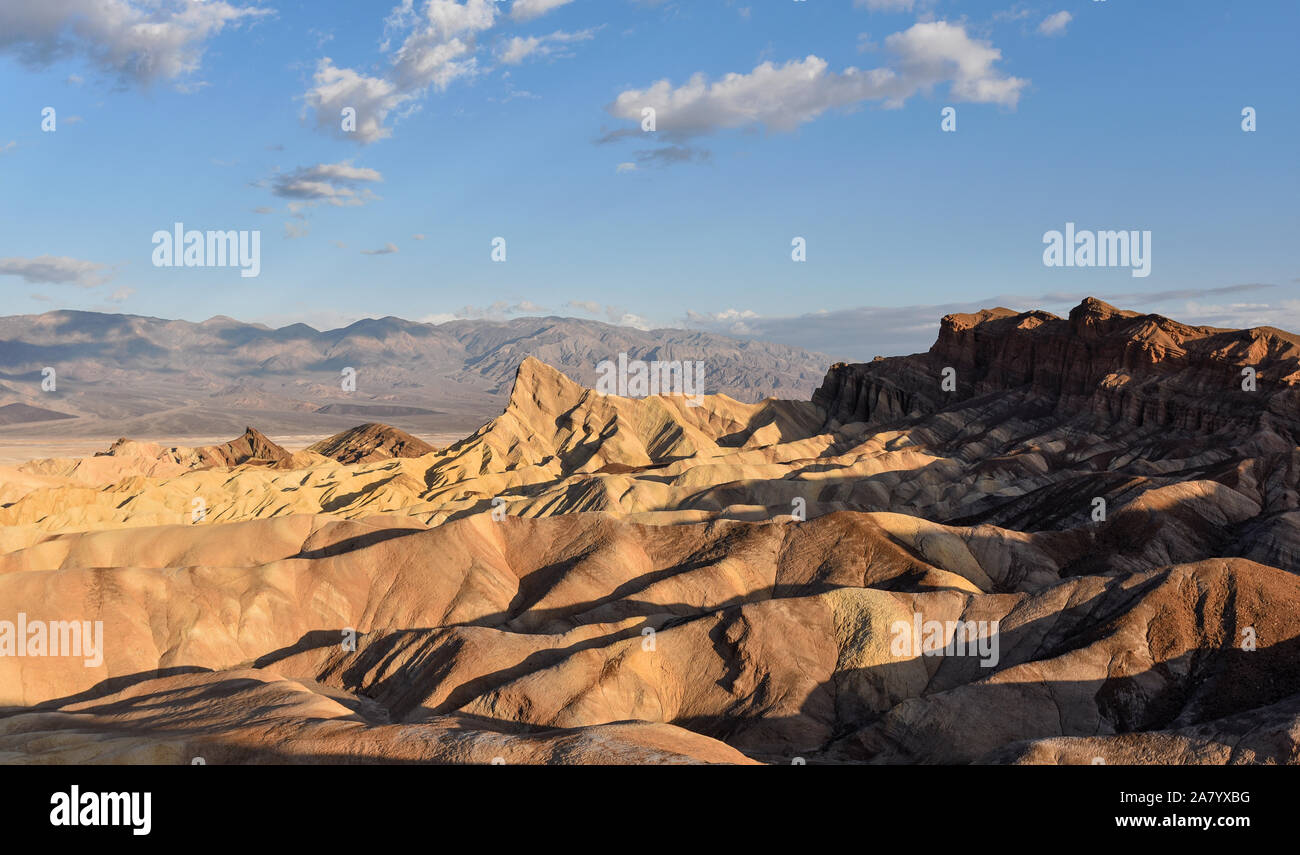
(526,10)
(625,167)
(449,18)
(438,318)
(1016,13)
(9,146)
(386,249)
(498,311)
(373,99)
(139,40)
(344,171)
(517,49)
(55,269)
(733,321)
(121,295)
(783,97)
(335,184)
(724,315)
(933,52)
(1054,25)
(293,230)
(627,319)
(614,314)
(438,47)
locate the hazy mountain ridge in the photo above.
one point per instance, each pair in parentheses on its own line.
(130,374)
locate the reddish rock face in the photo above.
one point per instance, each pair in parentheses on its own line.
(1101,362)
(253,447)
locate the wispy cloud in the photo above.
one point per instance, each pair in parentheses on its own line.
(437,47)
(143,41)
(519,48)
(671,154)
(336,184)
(1054,25)
(527,10)
(501,310)
(783,97)
(56,269)
(614,314)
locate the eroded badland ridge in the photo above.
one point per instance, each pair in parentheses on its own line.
(1109,501)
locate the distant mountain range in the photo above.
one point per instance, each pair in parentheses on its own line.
(130,375)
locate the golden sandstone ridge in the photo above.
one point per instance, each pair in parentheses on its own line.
(596,579)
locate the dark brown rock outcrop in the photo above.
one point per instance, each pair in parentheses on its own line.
(253,447)
(1101,362)
(370,442)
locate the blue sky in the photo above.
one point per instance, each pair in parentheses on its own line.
(774,120)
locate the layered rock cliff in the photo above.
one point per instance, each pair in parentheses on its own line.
(1113,365)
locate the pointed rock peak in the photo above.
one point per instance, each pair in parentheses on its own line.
(533,369)
(253,445)
(538,385)
(1095,307)
(257,438)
